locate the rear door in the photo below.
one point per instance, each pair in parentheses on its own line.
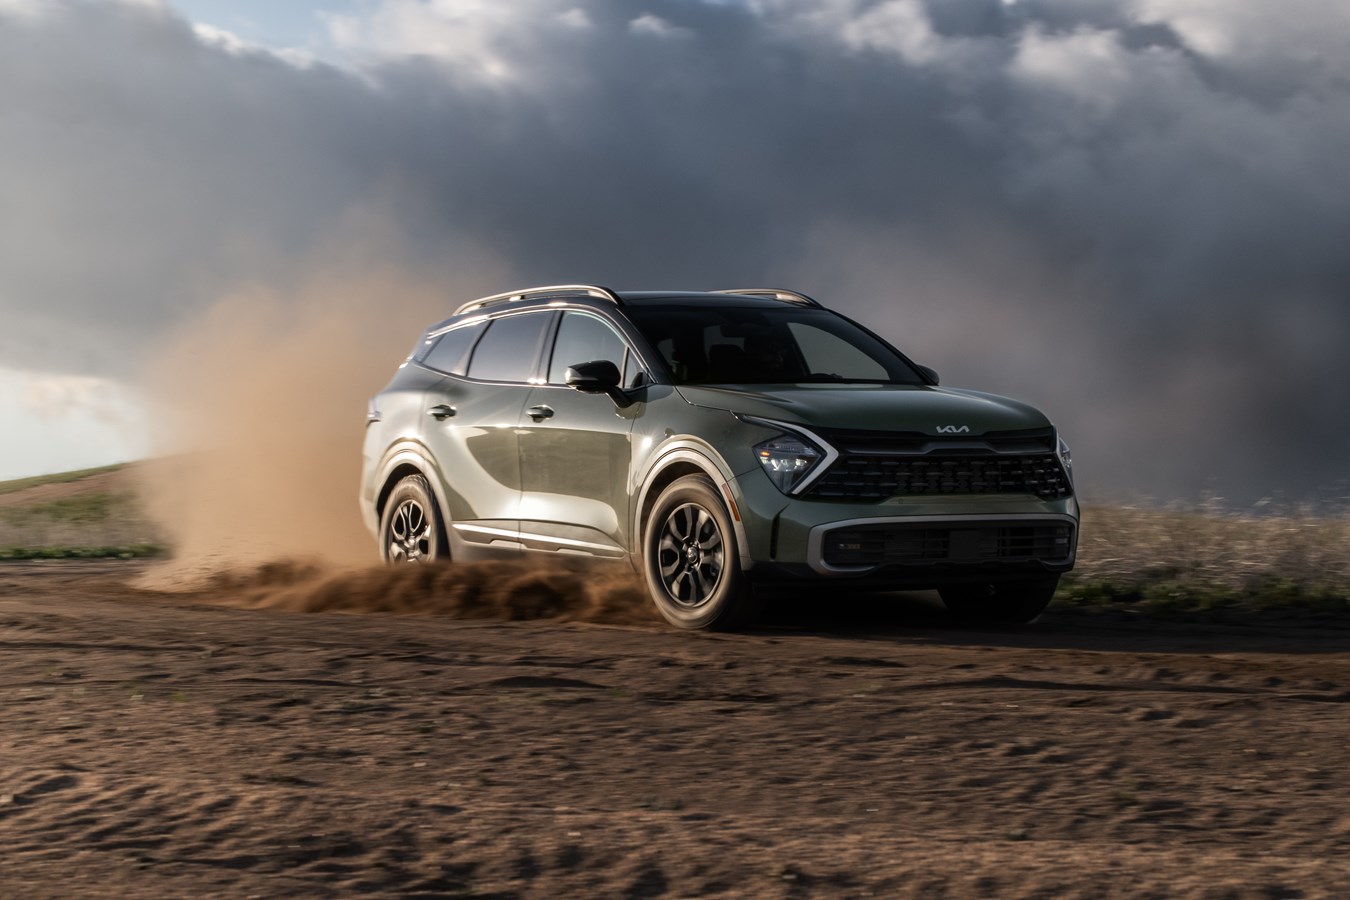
(575,448)
(471,419)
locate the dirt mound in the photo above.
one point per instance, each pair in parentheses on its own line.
(510,591)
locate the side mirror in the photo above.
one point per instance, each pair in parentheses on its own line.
(598,377)
(930,374)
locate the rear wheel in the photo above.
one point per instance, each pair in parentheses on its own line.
(410,528)
(691,562)
(1018,602)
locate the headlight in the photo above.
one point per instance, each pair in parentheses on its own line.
(786,460)
(1066,459)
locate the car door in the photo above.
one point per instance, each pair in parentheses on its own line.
(470,426)
(575,449)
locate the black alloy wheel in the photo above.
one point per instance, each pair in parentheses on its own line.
(691,555)
(691,561)
(410,528)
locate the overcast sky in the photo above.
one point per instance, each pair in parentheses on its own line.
(1133,213)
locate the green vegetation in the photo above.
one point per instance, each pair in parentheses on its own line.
(98,507)
(126,551)
(87,517)
(1208,559)
(23,484)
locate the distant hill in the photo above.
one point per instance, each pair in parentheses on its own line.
(89,512)
(38,488)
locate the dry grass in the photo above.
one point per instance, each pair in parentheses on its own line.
(1145,558)
(23,484)
(1207,558)
(93,512)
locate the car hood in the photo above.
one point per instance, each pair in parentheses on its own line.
(873,407)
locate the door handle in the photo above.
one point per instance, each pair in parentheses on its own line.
(539,413)
(440,411)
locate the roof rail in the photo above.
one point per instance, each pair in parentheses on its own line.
(774,294)
(556,290)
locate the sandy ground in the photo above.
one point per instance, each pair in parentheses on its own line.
(169,747)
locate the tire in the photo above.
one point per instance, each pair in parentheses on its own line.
(1013,602)
(411,529)
(690,559)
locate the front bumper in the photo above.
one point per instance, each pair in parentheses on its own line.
(914,541)
(864,545)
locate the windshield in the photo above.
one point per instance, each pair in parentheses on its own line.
(754,345)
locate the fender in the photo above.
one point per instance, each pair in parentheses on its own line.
(687,449)
(415,454)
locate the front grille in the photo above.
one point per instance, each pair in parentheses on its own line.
(901,544)
(878,465)
(876,477)
(1029,440)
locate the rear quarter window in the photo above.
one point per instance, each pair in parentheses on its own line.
(449,352)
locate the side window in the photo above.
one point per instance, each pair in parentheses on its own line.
(508,350)
(448,352)
(583,338)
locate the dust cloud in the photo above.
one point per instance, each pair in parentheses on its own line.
(259,407)
(510,591)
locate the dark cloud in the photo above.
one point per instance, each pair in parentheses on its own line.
(1133,214)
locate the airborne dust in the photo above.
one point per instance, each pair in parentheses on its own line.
(260,407)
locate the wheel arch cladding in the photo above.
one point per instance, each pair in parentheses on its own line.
(662,479)
(399,472)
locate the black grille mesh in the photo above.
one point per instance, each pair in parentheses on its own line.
(888,544)
(876,476)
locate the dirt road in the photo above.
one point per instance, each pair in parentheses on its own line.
(154,746)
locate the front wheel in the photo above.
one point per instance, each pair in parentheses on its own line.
(1015,602)
(410,528)
(690,560)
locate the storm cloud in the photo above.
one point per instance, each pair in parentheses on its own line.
(1134,214)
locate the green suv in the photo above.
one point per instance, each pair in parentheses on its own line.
(724,443)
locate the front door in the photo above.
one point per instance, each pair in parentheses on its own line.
(575,449)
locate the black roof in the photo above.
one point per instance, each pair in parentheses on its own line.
(694,299)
